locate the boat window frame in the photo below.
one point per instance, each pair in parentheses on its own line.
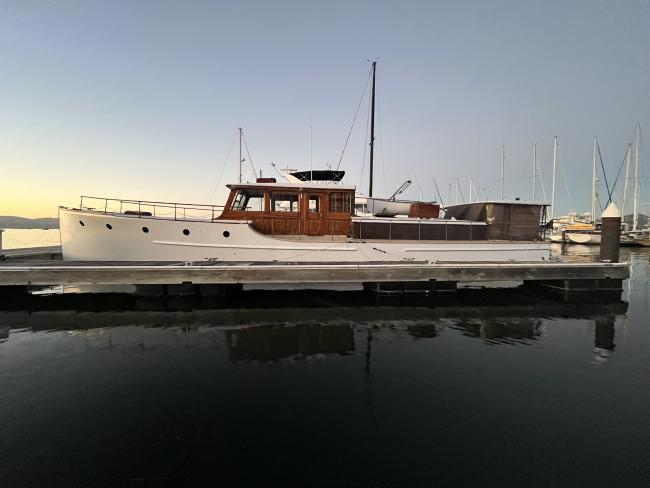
(242,198)
(272,201)
(336,206)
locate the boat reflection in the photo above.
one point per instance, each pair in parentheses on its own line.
(299,334)
(277,342)
(502,331)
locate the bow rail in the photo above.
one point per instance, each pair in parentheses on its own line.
(146,208)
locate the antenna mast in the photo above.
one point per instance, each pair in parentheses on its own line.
(372,125)
(241,161)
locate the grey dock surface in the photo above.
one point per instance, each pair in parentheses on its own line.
(15,272)
(32,253)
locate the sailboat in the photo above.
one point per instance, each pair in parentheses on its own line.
(587,233)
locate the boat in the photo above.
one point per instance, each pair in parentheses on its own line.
(310,218)
(268,221)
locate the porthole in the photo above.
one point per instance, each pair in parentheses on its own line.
(109,226)
(186,232)
(145,229)
(226,233)
(81,223)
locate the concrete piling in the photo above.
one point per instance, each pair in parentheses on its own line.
(610,239)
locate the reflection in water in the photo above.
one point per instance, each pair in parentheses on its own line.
(500,331)
(166,399)
(272,343)
(604,338)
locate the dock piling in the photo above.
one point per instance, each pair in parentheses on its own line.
(610,240)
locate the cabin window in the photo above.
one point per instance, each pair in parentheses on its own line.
(340,203)
(284,202)
(314,204)
(248,201)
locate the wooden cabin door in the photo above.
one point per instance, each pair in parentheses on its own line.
(314,214)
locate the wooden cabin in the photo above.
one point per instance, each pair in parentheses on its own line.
(292,209)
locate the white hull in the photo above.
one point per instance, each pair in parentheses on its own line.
(223,240)
(583,238)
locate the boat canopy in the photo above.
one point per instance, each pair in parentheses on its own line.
(319,175)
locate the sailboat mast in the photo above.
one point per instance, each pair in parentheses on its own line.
(627,177)
(241,161)
(372,126)
(593,183)
(554,168)
(503,167)
(534,169)
(635,221)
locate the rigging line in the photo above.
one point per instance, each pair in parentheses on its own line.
(249,157)
(365,147)
(566,186)
(619,172)
(602,165)
(356,113)
(435,183)
(460,189)
(223,168)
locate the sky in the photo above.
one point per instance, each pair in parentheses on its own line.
(142,100)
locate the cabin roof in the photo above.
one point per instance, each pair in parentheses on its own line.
(502,202)
(290,186)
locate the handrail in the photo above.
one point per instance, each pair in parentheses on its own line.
(147,208)
(126,200)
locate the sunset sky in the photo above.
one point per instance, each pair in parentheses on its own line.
(143,99)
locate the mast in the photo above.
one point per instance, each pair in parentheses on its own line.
(534,169)
(311,160)
(627,177)
(241,161)
(503,167)
(554,168)
(372,125)
(593,183)
(635,220)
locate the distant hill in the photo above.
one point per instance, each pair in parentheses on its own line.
(9,222)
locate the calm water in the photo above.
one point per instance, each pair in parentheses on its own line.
(18,238)
(329,397)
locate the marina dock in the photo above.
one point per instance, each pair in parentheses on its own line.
(22,272)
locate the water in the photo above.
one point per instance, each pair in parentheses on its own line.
(355,397)
(19,238)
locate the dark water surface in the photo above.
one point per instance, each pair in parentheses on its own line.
(379,396)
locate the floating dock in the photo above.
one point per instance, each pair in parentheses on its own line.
(21,272)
